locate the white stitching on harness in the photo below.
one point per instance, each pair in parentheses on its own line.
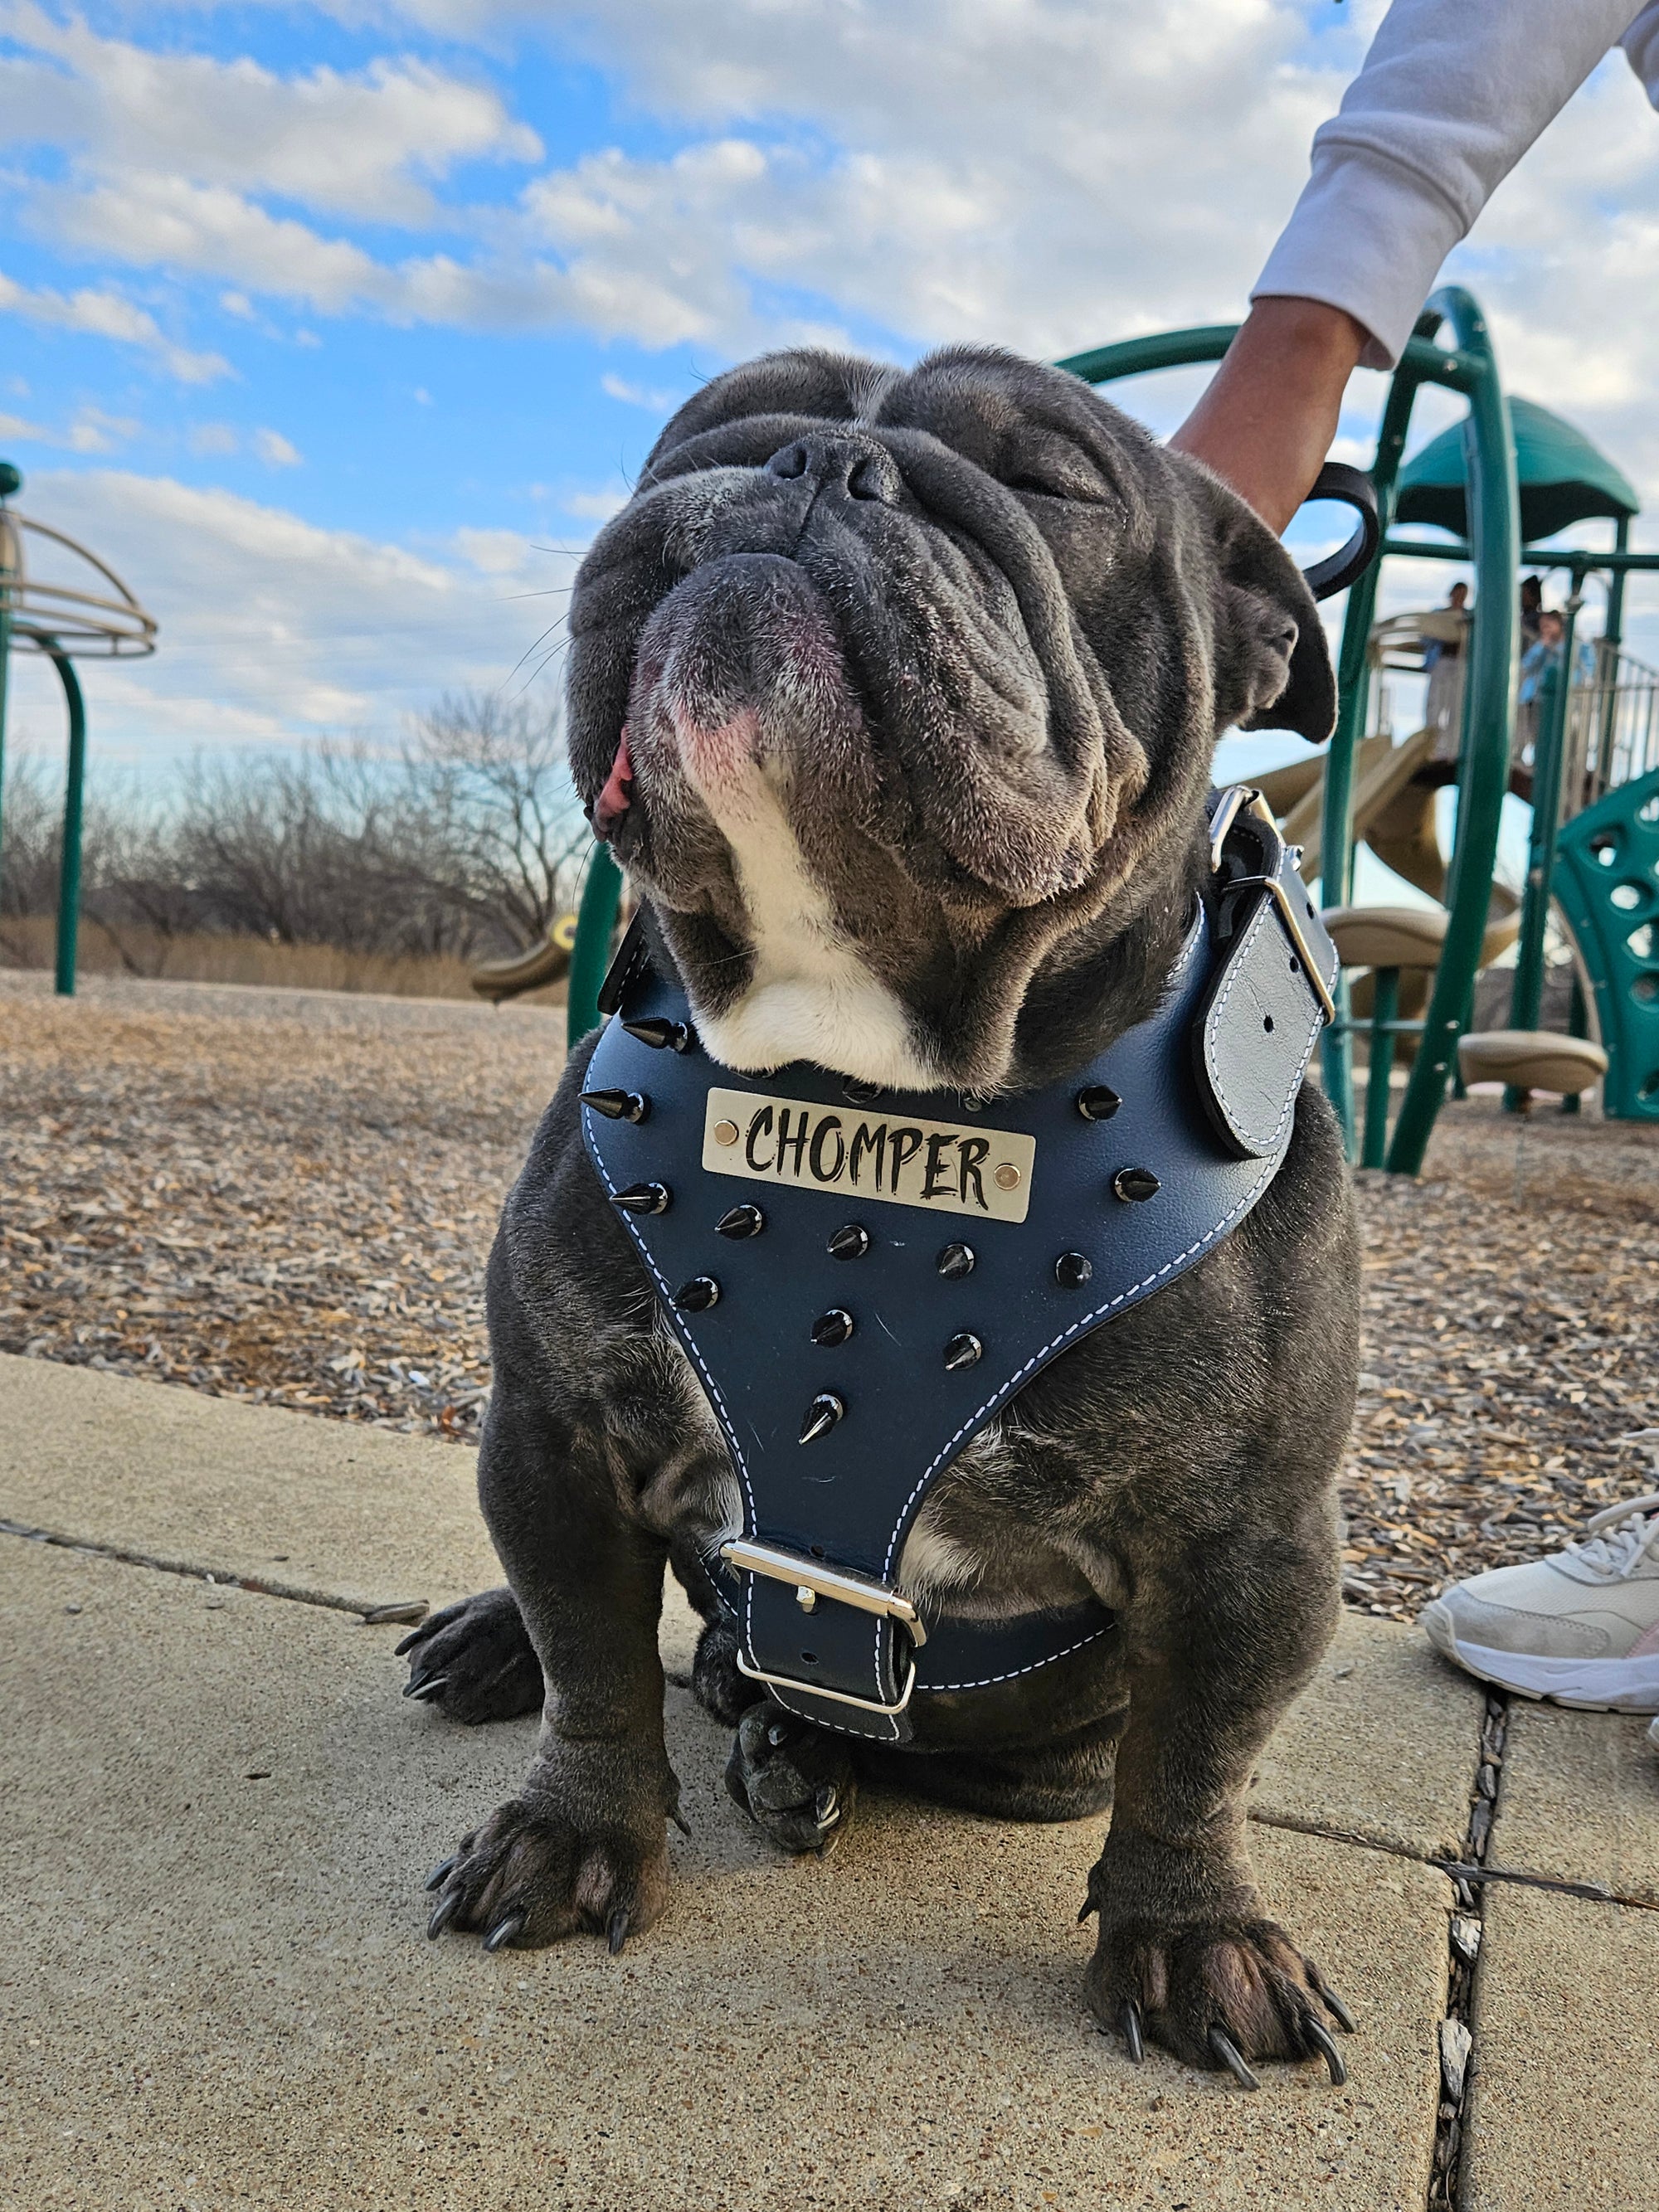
(1084,1321)
(1212,1027)
(1014,1674)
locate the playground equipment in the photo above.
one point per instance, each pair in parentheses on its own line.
(63,622)
(1608,882)
(1468,481)
(496,980)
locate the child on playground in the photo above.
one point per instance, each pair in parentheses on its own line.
(1451,95)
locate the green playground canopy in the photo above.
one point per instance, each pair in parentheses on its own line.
(1564,478)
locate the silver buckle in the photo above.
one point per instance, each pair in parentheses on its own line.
(835,1697)
(812,1581)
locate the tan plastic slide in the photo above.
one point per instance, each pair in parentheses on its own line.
(543,963)
(1396,818)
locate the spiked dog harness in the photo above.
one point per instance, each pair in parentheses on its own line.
(864,1278)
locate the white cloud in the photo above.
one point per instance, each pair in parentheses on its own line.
(108,315)
(214,438)
(272,627)
(90,431)
(360,144)
(636,395)
(596,506)
(275,451)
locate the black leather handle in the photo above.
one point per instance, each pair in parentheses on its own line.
(1336,480)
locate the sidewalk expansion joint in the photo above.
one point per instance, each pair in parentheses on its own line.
(408,1609)
(1463,1871)
(1465,1932)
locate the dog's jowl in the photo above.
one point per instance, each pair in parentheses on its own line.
(949,1276)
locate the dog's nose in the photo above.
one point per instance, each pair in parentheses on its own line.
(858,466)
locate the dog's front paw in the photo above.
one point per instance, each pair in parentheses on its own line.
(797,1782)
(532,1875)
(1217,1992)
(475,1659)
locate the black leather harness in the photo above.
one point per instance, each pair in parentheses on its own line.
(862,1279)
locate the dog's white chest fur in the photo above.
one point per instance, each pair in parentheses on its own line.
(811,996)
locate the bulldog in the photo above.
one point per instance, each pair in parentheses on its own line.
(896,692)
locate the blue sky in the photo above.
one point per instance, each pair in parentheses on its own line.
(339,330)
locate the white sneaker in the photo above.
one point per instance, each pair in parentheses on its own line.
(1581,1626)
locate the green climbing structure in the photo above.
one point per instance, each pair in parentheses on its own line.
(1606,882)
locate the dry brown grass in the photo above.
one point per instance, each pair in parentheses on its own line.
(29,943)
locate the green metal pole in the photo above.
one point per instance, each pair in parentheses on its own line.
(1385,1012)
(1336,830)
(10,482)
(69,865)
(1612,637)
(1483,769)
(590,955)
(1549,759)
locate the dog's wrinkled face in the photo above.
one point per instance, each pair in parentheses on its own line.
(888,686)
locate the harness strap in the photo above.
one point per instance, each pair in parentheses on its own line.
(864,1279)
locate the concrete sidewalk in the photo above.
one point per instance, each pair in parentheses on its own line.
(217,1990)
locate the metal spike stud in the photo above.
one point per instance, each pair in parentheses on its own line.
(849,1243)
(657,1032)
(955,1261)
(1136,1184)
(962,1350)
(698,1295)
(740,1221)
(618,1105)
(644,1198)
(1073,1270)
(825,1410)
(1098,1103)
(833,1327)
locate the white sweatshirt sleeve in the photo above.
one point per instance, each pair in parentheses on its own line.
(1451,96)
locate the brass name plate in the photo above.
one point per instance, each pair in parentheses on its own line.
(943,1167)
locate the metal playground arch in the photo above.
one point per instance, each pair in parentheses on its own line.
(62,622)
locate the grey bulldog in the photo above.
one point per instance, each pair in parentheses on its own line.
(897,693)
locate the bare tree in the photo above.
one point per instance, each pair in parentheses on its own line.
(491,771)
(467,840)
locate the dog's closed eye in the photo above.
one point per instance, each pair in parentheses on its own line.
(1048,487)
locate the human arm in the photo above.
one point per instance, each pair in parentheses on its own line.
(1452,94)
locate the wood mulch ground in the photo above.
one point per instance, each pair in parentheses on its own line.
(288,1196)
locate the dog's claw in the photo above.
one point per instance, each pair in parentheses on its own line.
(1087,1906)
(443,1912)
(504,1931)
(425,1687)
(1335,2005)
(440,1873)
(680,1821)
(1232,2057)
(780,1732)
(615,1930)
(1128,2020)
(414,1637)
(826,1805)
(1322,2041)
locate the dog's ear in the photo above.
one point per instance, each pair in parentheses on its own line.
(1272,663)
(804,380)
